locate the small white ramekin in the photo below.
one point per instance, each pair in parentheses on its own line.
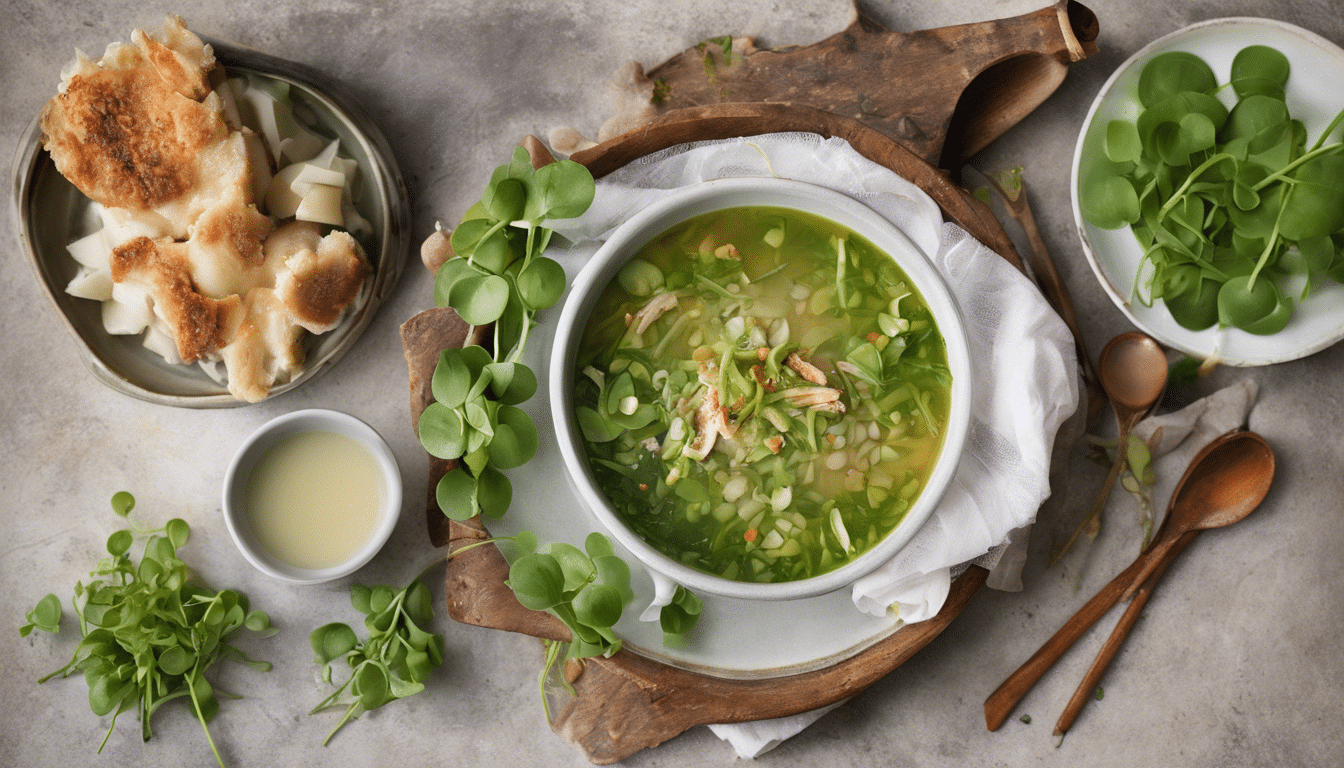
(715,195)
(245,461)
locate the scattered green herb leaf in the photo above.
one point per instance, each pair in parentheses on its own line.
(1182,371)
(1026,719)
(586,589)
(46,616)
(393,662)
(150,631)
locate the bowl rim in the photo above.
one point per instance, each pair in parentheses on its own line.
(265,437)
(1081,225)
(718,194)
(393,203)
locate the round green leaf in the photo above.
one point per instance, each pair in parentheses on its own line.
(1173,72)
(1261,120)
(372,686)
(452,378)
(381,598)
(598,605)
(1259,70)
(480,300)
(541,283)
(1195,309)
(515,441)
(122,503)
(360,597)
(1317,253)
(690,490)
(47,613)
(442,432)
(419,604)
(257,621)
(176,660)
(503,199)
(681,615)
(674,620)
(576,566)
(450,272)
(1197,132)
(178,532)
(1258,308)
(467,236)
(494,492)
(619,389)
(456,495)
(512,383)
(107,692)
(1109,202)
(562,190)
(494,253)
(476,358)
(1259,222)
(1121,146)
(597,427)
(525,542)
(614,572)
(119,543)
(537,581)
(1315,208)
(598,545)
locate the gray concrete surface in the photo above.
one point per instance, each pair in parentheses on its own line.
(1237,661)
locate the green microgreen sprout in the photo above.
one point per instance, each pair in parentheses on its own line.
(587,589)
(501,276)
(393,662)
(150,630)
(1228,205)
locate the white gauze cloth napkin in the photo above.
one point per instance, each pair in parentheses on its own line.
(1022,359)
(1184,433)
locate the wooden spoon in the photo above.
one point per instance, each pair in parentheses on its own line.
(1224,483)
(1133,372)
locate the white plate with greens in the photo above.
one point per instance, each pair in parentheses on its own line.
(734,637)
(1312,95)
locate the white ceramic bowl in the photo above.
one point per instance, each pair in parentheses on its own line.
(1313,95)
(255,447)
(692,201)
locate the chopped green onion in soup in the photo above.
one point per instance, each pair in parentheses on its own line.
(764,394)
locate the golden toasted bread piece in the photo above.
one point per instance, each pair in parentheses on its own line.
(225,250)
(122,131)
(195,322)
(321,282)
(179,56)
(265,348)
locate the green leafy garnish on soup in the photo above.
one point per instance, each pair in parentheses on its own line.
(762,394)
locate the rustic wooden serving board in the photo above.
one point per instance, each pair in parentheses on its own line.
(628,702)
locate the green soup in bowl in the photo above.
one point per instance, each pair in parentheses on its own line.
(758,398)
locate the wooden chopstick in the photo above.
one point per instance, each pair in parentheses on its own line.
(1118,635)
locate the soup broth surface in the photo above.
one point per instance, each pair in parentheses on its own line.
(762,394)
